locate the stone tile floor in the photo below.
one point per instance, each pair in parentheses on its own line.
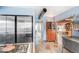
(51,47)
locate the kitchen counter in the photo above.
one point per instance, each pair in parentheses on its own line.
(71,43)
(18,48)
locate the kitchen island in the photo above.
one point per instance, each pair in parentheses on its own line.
(71,44)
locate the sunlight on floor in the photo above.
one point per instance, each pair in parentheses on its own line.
(51,47)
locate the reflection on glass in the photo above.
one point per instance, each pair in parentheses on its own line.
(24,29)
(2,29)
(10,29)
(6,29)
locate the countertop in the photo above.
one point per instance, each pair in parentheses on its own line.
(71,44)
(75,39)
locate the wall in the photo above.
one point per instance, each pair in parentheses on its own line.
(39,31)
(71,12)
(16,10)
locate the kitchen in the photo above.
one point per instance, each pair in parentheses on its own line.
(70,34)
(39,29)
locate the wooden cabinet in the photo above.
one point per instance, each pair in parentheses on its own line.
(50,32)
(68,27)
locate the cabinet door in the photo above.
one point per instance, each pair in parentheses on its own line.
(50,32)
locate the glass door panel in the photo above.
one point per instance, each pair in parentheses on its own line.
(10,29)
(2,29)
(7,28)
(24,29)
(23,33)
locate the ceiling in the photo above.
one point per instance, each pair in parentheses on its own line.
(52,10)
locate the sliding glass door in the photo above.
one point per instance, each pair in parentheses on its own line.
(7,29)
(16,29)
(10,29)
(24,29)
(2,29)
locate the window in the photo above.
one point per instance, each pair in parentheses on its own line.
(23,31)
